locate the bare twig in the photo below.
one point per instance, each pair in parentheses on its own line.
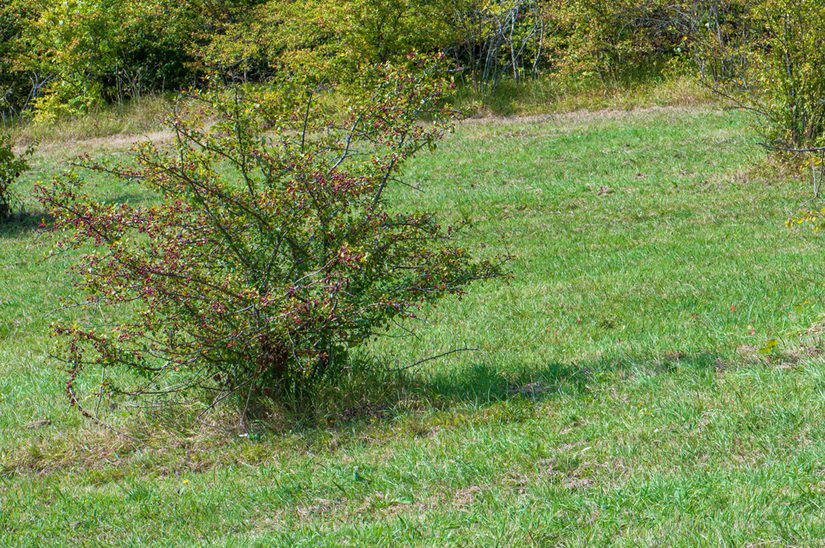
(425,360)
(85,413)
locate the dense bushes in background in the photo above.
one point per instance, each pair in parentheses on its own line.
(64,57)
(16,86)
(82,53)
(607,38)
(494,40)
(326,39)
(769,57)
(72,55)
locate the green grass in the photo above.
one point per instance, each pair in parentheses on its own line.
(117,124)
(617,395)
(139,116)
(556,94)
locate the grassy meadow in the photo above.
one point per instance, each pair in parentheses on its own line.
(615,393)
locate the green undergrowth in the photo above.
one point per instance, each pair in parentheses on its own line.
(136,117)
(548,95)
(541,96)
(613,391)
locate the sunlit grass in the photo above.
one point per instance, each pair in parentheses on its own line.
(617,394)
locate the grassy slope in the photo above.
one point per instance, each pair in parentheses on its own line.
(617,396)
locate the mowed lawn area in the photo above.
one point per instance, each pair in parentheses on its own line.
(615,394)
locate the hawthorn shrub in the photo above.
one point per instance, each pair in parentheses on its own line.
(273,248)
(11,166)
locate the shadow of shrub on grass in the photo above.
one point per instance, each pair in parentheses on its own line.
(23,223)
(368,392)
(483,383)
(371,403)
(374,392)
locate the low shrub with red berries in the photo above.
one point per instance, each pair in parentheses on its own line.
(273,248)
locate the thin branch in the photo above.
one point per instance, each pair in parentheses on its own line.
(85,413)
(789,149)
(425,360)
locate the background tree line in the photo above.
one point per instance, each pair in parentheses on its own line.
(59,59)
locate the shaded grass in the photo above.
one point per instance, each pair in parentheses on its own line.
(554,95)
(617,396)
(709,458)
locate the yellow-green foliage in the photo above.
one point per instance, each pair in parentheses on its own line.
(75,54)
(15,16)
(609,38)
(787,68)
(81,52)
(327,37)
(72,40)
(11,166)
(768,56)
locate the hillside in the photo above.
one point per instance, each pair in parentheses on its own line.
(615,391)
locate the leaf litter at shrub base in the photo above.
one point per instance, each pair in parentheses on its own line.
(609,402)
